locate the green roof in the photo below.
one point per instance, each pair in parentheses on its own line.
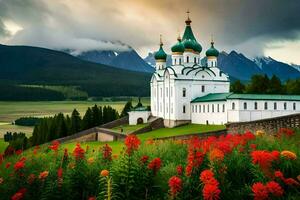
(140,109)
(178,47)
(225,96)
(160,54)
(189,40)
(212,51)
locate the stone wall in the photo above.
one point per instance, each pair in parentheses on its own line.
(115,123)
(156,124)
(270,125)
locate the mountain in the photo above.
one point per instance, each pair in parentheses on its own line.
(128,60)
(238,66)
(151,61)
(33,65)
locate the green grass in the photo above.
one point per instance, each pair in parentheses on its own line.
(182,130)
(14,128)
(3,145)
(129,128)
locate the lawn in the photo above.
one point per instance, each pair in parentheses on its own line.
(2,145)
(129,128)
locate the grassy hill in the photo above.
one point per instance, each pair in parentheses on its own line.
(38,66)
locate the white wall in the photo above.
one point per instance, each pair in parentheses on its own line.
(210,116)
(135,115)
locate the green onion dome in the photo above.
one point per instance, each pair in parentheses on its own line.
(160,54)
(189,44)
(212,51)
(197,47)
(178,47)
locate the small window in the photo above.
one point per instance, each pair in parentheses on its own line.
(195,60)
(213,108)
(218,108)
(203,88)
(245,106)
(199,108)
(196,108)
(233,106)
(294,106)
(255,105)
(208,108)
(183,109)
(284,106)
(266,105)
(223,108)
(275,106)
(204,108)
(179,61)
(184,92)
(175,61)
(187,59)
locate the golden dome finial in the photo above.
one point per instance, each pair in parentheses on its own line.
(212,40)
(188,21)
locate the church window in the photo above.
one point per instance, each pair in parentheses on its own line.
(203,88)
(204,108)
(208,108)
(255,105)
(218,108)
(284,105)
(213,108)
(245,106)
(223,108)
(199,108)
(220,73)
(184,92)
(183,109)
(179,61)
(233,106)
(266,105)
(175,61)
(294,106)
(275,106)
(195,60)
(196,108)
(187,59)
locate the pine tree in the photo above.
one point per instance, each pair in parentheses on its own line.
(275,86)
(237,87)
(96,115)
(87,121)
(126,109)
(75,122)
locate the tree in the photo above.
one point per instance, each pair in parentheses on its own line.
(96,115)
(259,84)
(126,109)
(275,86)
(293,86)
(237,87)
(75,122)
(87,120)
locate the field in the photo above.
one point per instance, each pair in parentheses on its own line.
(11,111)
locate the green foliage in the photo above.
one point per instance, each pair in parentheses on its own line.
(27,121)
(237,87)
(16,140)
(128,106)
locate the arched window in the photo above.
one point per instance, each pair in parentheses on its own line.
(255,105)
(218,108)
(196,108)
(175,61)
(183,109)
(187,59)
(245,106)
(266,105)
(208,108)
(199,108)
(233,106)
(195,60)
(294,106)
(212,108)
(184,92)
(275,106)
(223,108)
(204,108)
(284,106)
(202,88)
(179,61)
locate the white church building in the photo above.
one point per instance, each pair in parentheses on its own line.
(189,92)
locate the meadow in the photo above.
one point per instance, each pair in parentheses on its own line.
(242,166)
(11,111)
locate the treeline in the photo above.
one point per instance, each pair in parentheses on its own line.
(262,84)
(27,121)
(52,128)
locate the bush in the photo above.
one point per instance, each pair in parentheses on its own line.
(27,121)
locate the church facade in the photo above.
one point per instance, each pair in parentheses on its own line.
(191,92)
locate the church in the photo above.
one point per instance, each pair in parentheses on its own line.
(191,92)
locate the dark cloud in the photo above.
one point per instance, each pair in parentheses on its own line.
(246,26)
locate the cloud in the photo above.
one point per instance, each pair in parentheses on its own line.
(247,26)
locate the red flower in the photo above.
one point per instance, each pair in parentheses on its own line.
(92,198)
(54,145)
(279,174)
(107,152)
(291,182)
(154,165)
(19,165)
(286,132)
(144,159)
(264,159)
(179,170)
(216,155)
(175,185)
(211,192)
(206,175)
(78,152)
(132,143)
(18,152)
(253,146)
(19,195)
(260,191)
(60,172)
(7,165)
(274,188)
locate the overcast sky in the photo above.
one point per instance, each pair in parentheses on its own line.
(253,27)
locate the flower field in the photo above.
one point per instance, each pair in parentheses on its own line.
(241,166)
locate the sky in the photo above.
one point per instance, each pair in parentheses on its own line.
(253,27)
